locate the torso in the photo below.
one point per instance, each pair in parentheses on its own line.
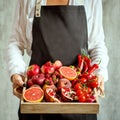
(57,2)
(58,34)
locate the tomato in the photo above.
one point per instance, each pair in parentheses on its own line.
(89,90)
(83,80)
(79,92)
(82,98)
(87,95)
(33,70)
(93,84)
(77,86)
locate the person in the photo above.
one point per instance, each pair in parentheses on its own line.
(56,29)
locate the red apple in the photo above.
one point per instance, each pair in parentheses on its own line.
(50,69)
(47,69)
(57,64)
(30,83)
(48,63)
(38,79)
(33,70)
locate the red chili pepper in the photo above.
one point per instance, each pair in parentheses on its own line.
(80,62)
(93,68)
(85,67)
(88,60)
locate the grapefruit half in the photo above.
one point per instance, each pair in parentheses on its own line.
(33,94)
(68,72)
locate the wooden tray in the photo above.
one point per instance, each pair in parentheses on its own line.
(64,107)
(68,108)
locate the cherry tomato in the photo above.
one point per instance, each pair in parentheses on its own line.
(87,95)
(79,92)
(93,84)
(82,98)
(83,80)
(77,86)
(89,90)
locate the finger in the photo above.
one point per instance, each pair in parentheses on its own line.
(102,85)
(100,82)
(17,79)
(101,93)
(99,79)
(18,95)
(100,90)
(17,91)
(14,85)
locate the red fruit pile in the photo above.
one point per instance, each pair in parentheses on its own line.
(46,74)
(60,86)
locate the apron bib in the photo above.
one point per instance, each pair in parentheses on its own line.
(59,33)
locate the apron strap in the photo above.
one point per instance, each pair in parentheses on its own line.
(38,8)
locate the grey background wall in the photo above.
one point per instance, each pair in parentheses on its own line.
(110,105)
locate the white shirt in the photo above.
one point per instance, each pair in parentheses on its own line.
(21,37)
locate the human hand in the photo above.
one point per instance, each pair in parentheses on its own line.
(18,83)
(100,89)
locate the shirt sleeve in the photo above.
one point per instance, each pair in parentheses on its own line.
(96,44)
(16,43)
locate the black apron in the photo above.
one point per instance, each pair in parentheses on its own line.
(60,33)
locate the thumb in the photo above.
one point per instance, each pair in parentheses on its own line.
(18,79)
